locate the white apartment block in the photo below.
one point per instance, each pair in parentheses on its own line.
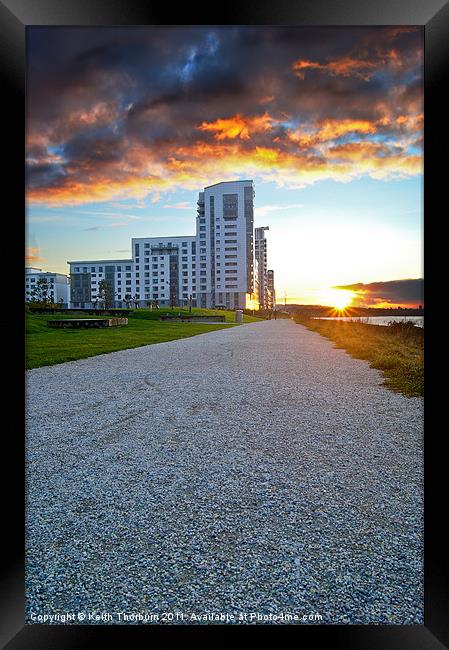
(213,268)
(58,283)
(271,289)
(260,253)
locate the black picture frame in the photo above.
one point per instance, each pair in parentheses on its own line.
(15,16)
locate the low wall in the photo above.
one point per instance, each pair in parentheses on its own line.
(194,319)
(87,322)
(95,312)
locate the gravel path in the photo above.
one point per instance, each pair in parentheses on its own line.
(252,469)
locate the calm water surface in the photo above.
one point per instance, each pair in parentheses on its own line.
(377,320)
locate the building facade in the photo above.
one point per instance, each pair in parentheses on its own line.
(271,289)
(214,267)
(260,253)
(58,285)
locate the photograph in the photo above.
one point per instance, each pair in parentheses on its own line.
(224,310)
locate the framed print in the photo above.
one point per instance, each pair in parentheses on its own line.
(224,386)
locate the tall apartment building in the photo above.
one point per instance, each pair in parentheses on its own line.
(271,289)
(225,226)
(211,268)
(58,283)
(260,252)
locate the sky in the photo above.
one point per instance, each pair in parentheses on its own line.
(126,125)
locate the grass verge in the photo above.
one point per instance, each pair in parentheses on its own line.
(397,349)
(46,346)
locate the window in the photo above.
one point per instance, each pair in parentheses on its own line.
(127,268)
(100,268)
(128,275)
(119,268)
(94,275)
(76,270)
(92,268)
(147,245)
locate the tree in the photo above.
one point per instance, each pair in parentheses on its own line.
(105,294)
(41,292)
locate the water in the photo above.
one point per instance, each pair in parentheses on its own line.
(377,320)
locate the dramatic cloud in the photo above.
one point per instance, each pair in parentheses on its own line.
(396,293)
(138,112)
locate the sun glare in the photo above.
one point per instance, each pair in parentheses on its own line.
(340,299)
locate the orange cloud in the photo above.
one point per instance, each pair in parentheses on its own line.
(203,163)
(348,66)
(238,126)
(330,129)
(32,255)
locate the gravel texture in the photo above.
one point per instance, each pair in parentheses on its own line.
(255,469)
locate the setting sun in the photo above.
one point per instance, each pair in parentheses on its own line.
(337,298)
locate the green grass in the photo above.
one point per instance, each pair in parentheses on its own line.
(46,346)
(396,350)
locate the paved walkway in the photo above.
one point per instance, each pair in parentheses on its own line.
(252,469)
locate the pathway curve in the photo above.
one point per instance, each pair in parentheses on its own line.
(252,469)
